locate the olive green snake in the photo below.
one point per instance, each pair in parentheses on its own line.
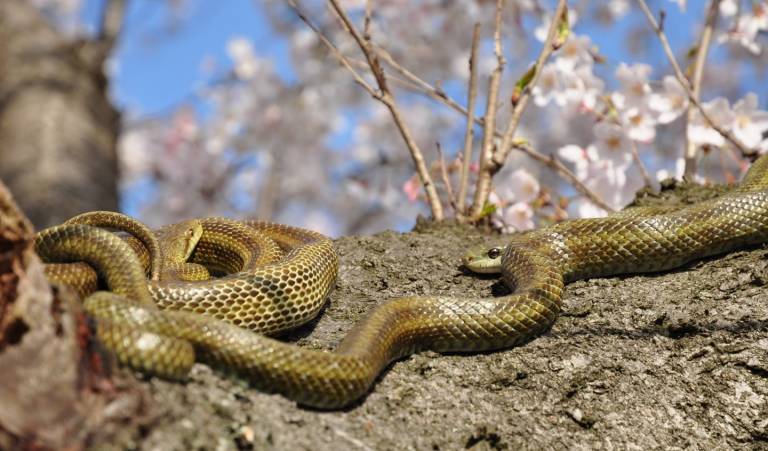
(291,286)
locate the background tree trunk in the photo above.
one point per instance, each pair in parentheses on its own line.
(58,130)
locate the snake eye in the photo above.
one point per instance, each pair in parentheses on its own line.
(494,252)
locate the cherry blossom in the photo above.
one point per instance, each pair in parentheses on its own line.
(583,88)
(634,85)
(612,144)
(569,79)
(610,179)
(699,131)
(618,8)
(513,197)
(671,102)
(134,161)
(576,50)
(511,218)
(729,7)
(680,3)
(615,184)
(354,175)
(746,27)
(520,186)
(412,188)
(241,52)
(749,123)
(518,217)
(550,87)
(640,122)
(584,208)
(580,157)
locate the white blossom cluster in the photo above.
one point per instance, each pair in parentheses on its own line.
(745,23)
(311,148)
(626,119)
(338,163)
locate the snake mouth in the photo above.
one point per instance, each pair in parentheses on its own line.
(483,259)
(468,261)
(480,265)
(483,269)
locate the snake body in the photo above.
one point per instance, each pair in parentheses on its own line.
(534,265)
(270,298)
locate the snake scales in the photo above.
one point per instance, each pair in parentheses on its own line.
(535,265)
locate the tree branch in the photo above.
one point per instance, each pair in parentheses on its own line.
(343,60)
(112,18)
(388,100)
(686,85)
(640,165)
(419,83)
(446,179)
(702,49)
(483,186)
(549,46)
(556,165)
(469,131)
(414,82)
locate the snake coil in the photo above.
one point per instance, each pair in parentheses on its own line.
(281,294)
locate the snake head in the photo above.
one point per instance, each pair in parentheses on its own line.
(179,240)
(484,260)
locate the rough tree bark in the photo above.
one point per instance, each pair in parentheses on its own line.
(58,130)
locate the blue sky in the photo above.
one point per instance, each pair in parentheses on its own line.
(159,66)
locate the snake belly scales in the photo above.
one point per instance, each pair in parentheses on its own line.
(281,294)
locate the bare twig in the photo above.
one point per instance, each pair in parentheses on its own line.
(483,186)
(388,100)
(343,60)
(505,147)
(558,166)
(445,178)
(469,131)
(112,18)
(419,85)
(269,192)
(499,156)
(640,165)
(686,85)
(412,81)
(702,49)
(367,20)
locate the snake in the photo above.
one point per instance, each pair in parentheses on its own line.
(163,328)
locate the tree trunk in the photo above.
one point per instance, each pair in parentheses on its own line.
(58,130)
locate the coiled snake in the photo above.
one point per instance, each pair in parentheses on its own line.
(283,293)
